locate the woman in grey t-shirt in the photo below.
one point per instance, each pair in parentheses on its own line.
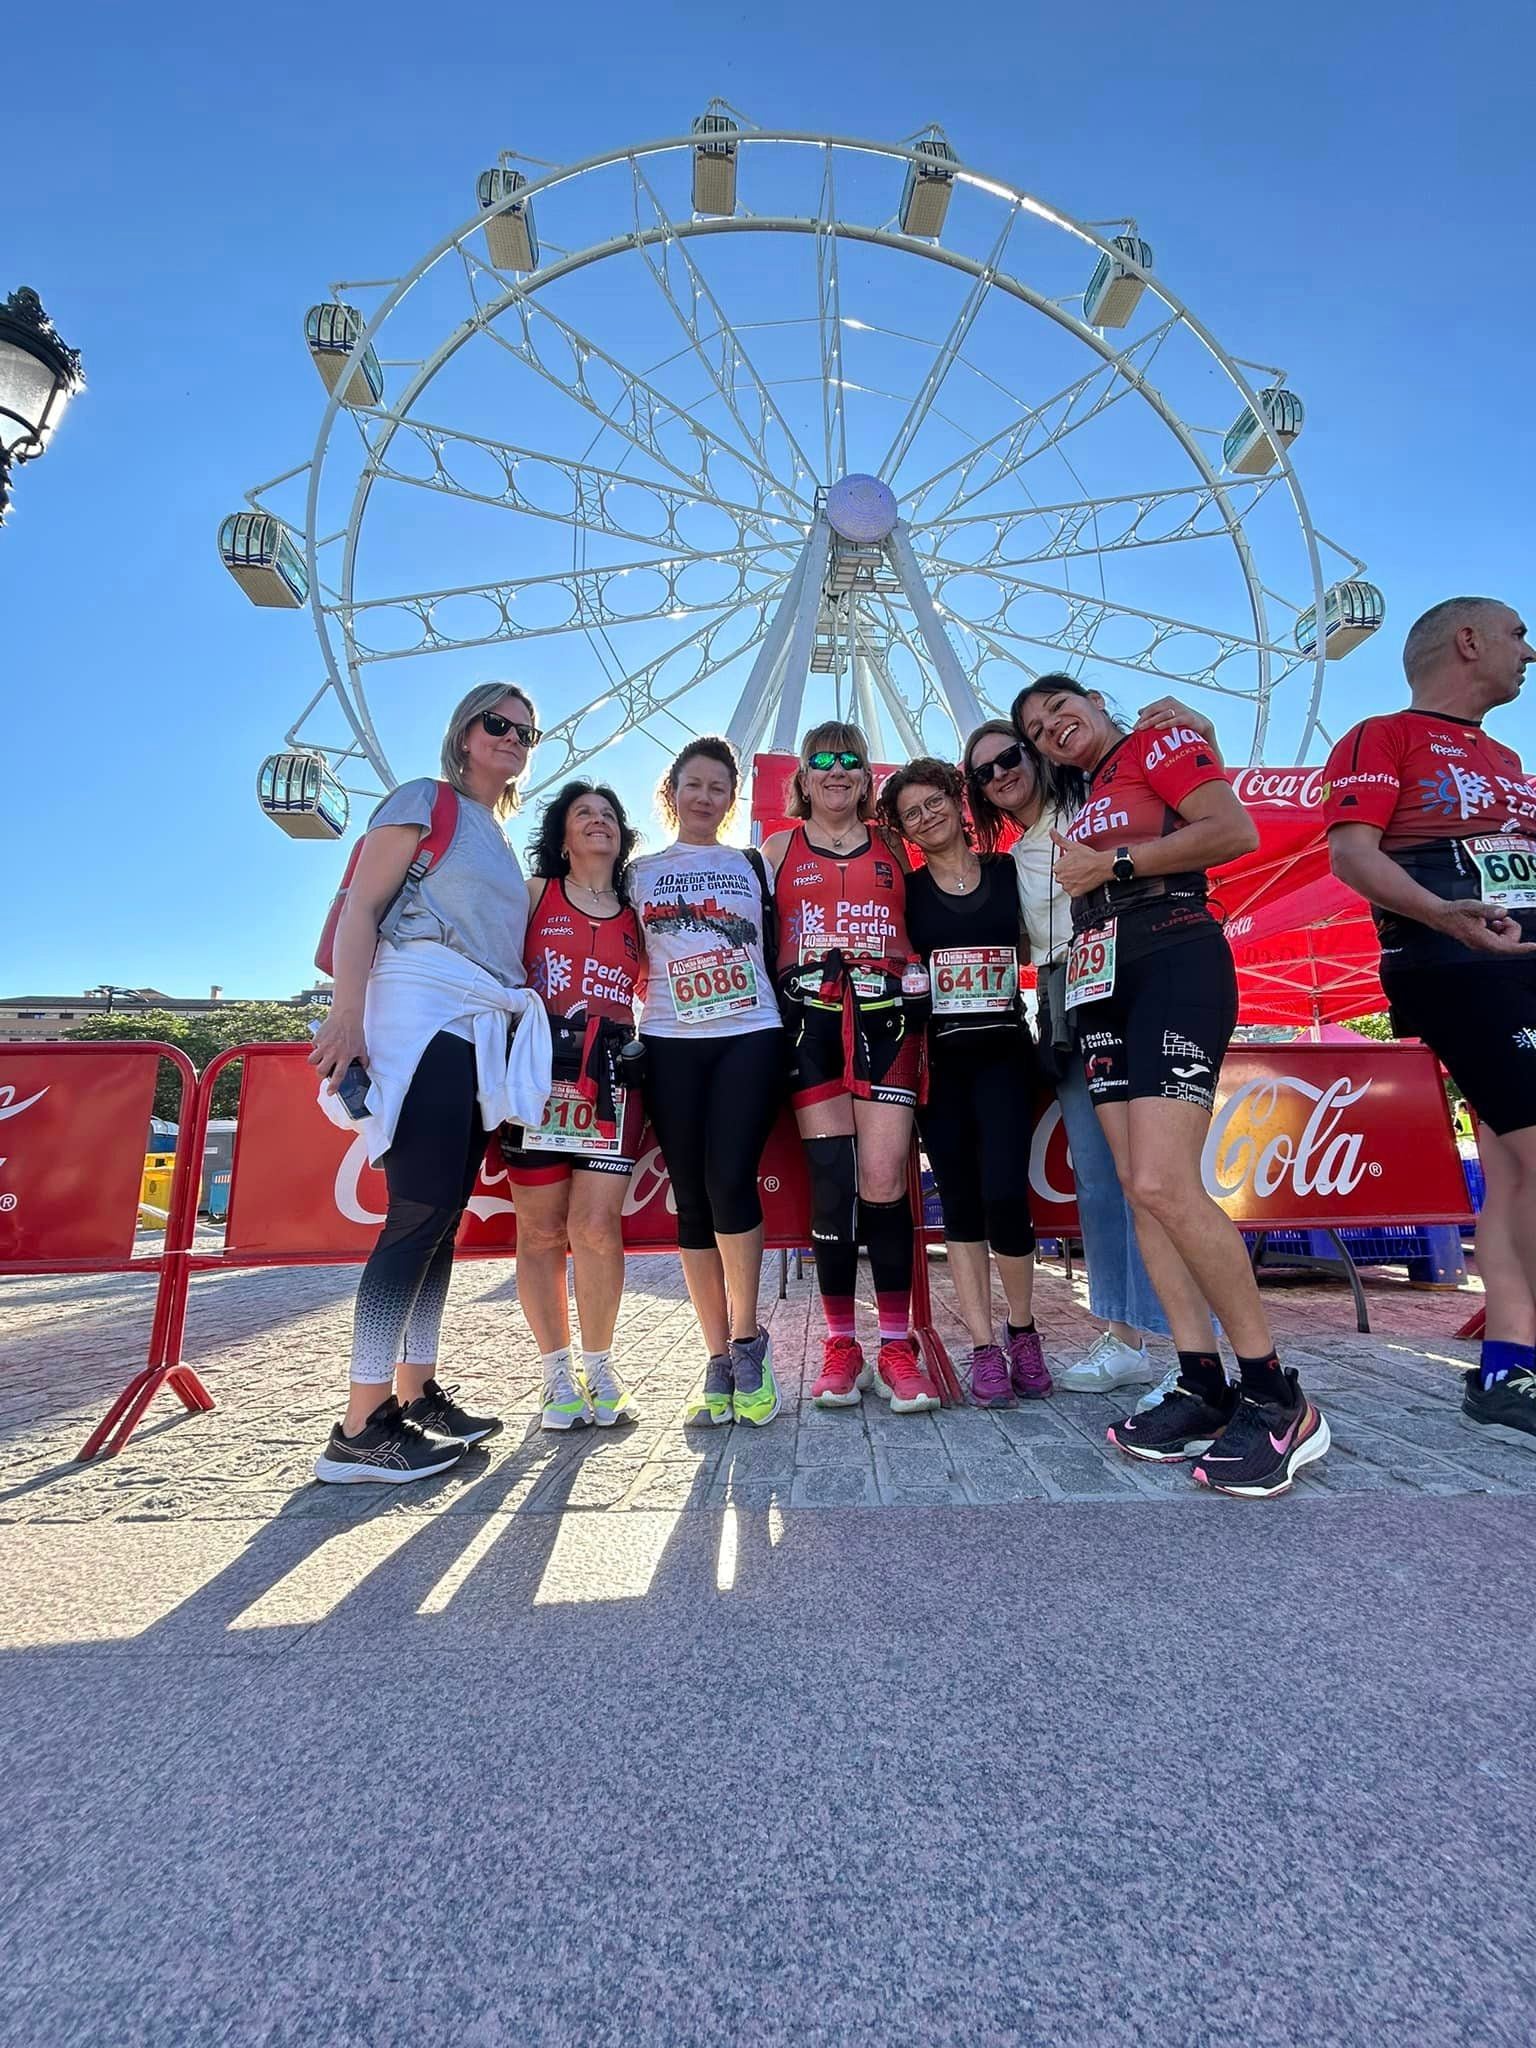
(463,928)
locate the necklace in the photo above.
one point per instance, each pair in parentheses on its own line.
(837,840)
(597,896)
(963,883)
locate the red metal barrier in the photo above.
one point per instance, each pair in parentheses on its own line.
(69,1189)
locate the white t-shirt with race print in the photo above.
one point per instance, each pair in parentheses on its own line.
(701,920)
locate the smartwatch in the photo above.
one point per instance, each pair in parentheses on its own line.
(1124,869)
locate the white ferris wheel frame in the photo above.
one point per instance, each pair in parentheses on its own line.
(796,591)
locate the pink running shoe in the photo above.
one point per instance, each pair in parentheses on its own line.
(902,1378)
(990,1384)
(842,1374)
(1027,1368)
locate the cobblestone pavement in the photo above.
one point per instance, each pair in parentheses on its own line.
(272,1345)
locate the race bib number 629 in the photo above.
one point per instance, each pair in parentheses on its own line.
(1091,966)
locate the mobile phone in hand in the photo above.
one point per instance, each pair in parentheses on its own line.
(353,1090)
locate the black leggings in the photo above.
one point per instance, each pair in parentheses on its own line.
(712,1103)
(977,1127)
(430,1170)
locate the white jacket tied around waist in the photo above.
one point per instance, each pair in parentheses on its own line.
(417,990)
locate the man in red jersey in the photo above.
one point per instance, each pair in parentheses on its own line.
(1434,823)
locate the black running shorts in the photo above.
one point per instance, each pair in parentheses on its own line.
(1163,1031)
(1478,1017)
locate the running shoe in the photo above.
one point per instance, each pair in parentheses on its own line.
(990,1384)
(1184,1424)
(565,1404)
(1028,1372)
(716,1403)
(439,1414)
(1107,1365)
(902,1379)
(608,1393)
(1507,1409)
(1265,1445)
(1161,1391)
(756,1396)
(387,1449)
(843,1373)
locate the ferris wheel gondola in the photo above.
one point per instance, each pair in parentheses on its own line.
(740,431)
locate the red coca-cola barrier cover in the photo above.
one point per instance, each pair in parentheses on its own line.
(301,1185)
(72,1137)
(1303,1136)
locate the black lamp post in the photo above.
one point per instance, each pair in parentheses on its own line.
(38,378)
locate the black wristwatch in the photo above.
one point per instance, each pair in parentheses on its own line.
(1124,869)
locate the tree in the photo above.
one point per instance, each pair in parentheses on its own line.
(1377,1025)
(202,1038)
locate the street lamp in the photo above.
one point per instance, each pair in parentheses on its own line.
(38,378)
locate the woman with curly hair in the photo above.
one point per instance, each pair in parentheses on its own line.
(983,1077)
(569,1174)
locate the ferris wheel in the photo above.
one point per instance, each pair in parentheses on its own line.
(742,429)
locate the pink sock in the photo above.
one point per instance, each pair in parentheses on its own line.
(838,1310)
(895,1315)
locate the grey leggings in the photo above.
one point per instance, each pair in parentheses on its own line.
(430,1169)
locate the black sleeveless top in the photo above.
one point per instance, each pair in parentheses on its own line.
(986,922)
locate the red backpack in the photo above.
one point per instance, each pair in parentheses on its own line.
(435,842)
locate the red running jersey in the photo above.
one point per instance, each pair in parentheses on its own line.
(583,966)
(858,905)
(1422,776)
(1135,792)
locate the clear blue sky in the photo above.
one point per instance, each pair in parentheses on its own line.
(1341,191)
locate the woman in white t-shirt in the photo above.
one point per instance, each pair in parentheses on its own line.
(429,978)
(714,1048)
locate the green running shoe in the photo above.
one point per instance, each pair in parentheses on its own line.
(565,1404)
(607,1391)
(716,1405)
(756,1396)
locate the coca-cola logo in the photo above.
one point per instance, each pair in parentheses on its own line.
(9,1106)
(1288,789)
(1049,1147)
(1252,1144)
(1239,927)
(348,1189)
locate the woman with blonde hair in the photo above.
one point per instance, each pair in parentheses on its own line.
(415,1053)
(840,894)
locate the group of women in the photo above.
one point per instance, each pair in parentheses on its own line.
(865,962)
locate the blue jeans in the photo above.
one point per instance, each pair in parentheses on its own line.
(1118,1288)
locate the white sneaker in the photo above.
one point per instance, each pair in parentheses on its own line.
(608,1393)
(1165,1386)
(1109,1364)
(565,1403)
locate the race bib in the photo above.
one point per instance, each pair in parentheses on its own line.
(569,1124)
(712,985)
(1506,871)
(1091,966)
(971,981)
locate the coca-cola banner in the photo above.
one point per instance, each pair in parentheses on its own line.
(1302,1135)
(300,1186)
(1305,1136)
(73,1128)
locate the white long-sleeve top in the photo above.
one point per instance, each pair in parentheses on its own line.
(415,991)
(1044,905)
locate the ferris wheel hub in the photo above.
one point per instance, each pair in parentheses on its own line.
(861,508)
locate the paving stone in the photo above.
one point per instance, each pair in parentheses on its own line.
(1080,1475)
(834,1486)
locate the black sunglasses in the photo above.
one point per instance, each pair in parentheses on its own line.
(1000,764)
(498,728)
(823,761)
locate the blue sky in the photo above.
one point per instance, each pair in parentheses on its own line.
(1343,193)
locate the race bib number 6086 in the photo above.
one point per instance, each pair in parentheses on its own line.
(711,985)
